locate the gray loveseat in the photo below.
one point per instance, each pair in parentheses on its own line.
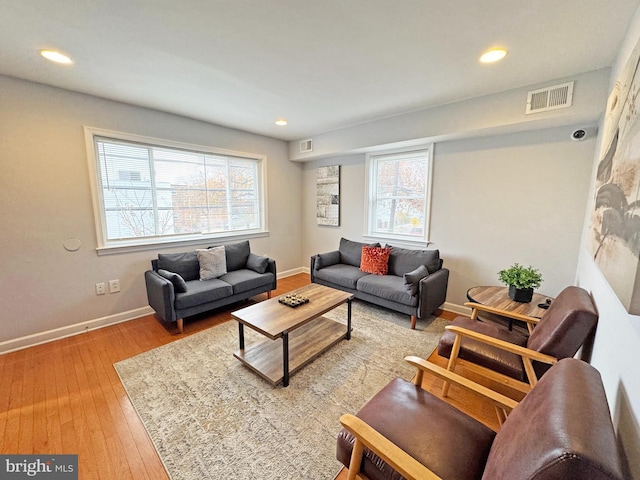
(416,283)
(175,291)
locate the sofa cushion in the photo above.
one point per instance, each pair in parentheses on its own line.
(244,280)
(388,287)
(412,279)
(184,264)
(351,252)
(199,293)
(403,260)
(179,285)
(213,262)
(237,255)
(343,275)
(375,260)
(257,263)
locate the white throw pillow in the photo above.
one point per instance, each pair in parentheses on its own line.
(213,262)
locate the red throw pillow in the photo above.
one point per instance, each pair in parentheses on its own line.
(375,260)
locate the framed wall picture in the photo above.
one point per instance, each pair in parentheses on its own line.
(328,195)
(615,218)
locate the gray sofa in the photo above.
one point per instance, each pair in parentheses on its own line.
(416,283)
(175,291)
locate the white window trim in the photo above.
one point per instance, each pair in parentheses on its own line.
(401,240)
(105,247)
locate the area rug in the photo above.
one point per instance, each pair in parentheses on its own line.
(210,417)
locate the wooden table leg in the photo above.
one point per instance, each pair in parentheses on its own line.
(348,337)
(241,334)
(285,359)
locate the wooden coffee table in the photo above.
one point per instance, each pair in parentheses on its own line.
(303,331)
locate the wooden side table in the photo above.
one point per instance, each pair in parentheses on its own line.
(498,297)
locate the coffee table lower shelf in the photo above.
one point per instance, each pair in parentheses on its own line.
(305,345)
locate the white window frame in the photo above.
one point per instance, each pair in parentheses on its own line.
(370,234)
(106,246)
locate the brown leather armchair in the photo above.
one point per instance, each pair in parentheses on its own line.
(513,358)
(561,430)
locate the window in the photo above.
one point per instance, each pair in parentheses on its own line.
(398,195)
(148,191)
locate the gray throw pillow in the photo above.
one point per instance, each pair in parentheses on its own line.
(184,264)
(179,285)
(257,263)
(351,252)
(213,262)
(412,279)
(325,259)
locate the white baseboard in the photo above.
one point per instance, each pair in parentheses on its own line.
(82,327)
(70,330)
(455,308)
(293,271)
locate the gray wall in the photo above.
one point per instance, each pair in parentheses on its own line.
(45,199)
(496,200)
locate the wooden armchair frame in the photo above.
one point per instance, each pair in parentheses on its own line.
(394,456)
(527,355)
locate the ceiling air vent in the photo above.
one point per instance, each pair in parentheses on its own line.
(550,98)
(306,146)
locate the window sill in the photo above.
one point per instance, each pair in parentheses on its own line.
(170,243)
(398,242)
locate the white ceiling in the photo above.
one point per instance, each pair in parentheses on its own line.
(321,64)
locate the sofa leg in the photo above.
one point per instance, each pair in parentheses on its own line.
(414,319)
(180,325)
(269,294)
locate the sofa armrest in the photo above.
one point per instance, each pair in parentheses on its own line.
(432,292)
(161,295)
(271,267)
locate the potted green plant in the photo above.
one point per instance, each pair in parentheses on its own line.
(521,281)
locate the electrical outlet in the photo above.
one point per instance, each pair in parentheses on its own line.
(114,286)
(100,289)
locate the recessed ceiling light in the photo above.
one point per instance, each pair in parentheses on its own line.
(55,56)
(281,122)
(493,55)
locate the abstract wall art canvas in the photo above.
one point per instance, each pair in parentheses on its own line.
(615,219)
(328,195)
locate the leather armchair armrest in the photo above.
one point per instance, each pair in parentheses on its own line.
(393,455)
(161,295)
(527,355)
(475,307)
(497,399)
(501,344)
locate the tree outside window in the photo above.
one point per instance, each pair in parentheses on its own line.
(398,194)
(153,191)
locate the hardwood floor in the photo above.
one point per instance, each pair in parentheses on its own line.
(65,396)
